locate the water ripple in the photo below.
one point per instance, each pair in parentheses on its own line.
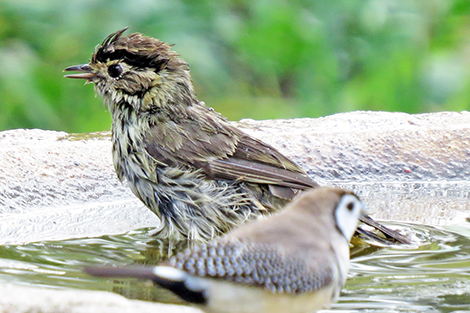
(430,276)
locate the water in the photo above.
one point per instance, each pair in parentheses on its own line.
(432,275)
(429,276)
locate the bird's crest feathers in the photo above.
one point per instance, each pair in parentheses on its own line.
(135,49)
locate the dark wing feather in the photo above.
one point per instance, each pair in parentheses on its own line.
(260,173)
(255,161)
(223,152)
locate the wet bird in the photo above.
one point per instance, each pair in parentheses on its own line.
(201,175)
(294,261)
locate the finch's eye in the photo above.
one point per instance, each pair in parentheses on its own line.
(114,70)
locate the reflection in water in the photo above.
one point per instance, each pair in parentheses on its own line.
(432,276)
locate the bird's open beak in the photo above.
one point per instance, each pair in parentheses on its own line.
(84,69)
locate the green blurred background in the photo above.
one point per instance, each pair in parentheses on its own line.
(249,58)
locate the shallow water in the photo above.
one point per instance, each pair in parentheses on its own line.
(430,276)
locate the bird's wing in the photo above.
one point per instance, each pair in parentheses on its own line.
(254,161)
(256,265)
(224,152)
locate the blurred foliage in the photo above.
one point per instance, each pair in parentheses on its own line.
(249,58)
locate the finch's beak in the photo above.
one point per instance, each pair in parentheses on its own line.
(84,69)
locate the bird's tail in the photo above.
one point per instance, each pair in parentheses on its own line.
(167,277)
(139,272)
(385,235)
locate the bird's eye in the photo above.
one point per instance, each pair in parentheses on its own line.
(350,206)
(114,70)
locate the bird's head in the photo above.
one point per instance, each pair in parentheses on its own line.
(325,205)
(139,71)
(347,214)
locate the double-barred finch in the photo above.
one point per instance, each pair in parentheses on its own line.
(201,175)
(294,261)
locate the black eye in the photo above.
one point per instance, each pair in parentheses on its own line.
(350,206)
(114,70)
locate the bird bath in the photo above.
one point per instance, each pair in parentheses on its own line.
(62,208)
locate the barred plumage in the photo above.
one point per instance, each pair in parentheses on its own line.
(252,264)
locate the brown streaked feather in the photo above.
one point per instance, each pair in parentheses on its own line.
(260,173)
(224,152)
(252,149)
(185,143)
